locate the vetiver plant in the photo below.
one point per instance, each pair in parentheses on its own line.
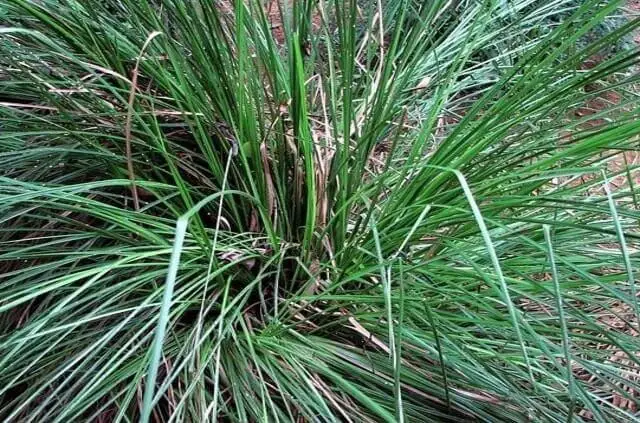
(315,212)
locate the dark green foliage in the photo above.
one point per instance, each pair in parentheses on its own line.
(394,214)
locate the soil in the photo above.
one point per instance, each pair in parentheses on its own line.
(623,319)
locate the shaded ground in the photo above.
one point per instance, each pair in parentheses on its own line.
(622,317)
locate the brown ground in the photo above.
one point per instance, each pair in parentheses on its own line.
(622,311)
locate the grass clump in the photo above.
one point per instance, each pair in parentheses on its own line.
(315,212)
